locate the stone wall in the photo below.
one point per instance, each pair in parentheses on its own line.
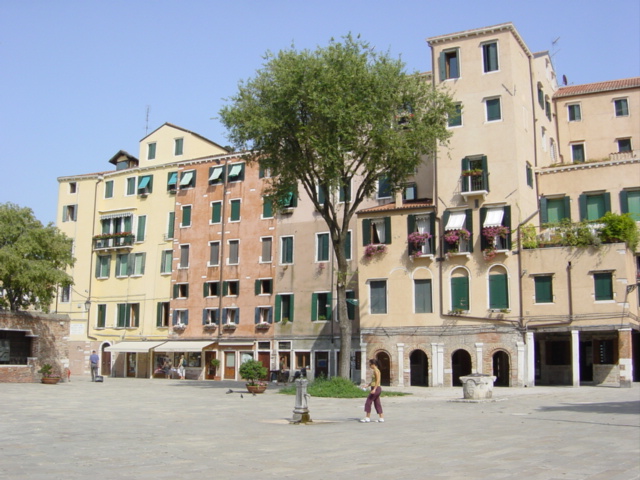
(48,335)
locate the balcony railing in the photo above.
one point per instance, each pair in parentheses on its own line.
(474,183)
(113,241)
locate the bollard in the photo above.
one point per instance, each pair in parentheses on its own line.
(301,410)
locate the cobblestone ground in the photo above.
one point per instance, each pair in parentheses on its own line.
(169,429)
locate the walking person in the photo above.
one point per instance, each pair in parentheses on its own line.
(93,361)
(182,363)
(374,396)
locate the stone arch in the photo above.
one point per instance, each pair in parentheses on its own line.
(501,367)
(419,368)
(461,365)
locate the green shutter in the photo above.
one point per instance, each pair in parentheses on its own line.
(460,293)
(422,294)
(366,231)
(411,227)
(186,216)
(314,307)
(351,308)
(159,314)
(506,221)
(544,290)
(445,220)
(256,287)
(235,210)
(468,221)
(267,207)
(291,308)
(442,66)
(278,307)
(256,315)
(387,230)
(603,286)
(172,223)
(485,172)
(176,291)
(582,203)
(216,212)
(483,239)
(607,202)
(142,223)
(127,223)
(347,246)
(225,288)
(544,215)
(498,292)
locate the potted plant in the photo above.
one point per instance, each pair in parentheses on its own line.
(215,364)
(453,238)
(253,372)
(48,376)
(474,172)
(374,249)
(416,241)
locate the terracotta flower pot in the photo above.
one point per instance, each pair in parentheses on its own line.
(256,388)
(50,380)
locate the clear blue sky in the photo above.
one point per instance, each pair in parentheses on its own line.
(76,77)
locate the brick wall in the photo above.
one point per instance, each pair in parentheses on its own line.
(48,334)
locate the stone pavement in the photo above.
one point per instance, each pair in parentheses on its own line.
(170,429)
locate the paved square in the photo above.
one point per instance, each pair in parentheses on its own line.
(170,429)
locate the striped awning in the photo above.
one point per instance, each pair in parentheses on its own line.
(456,221)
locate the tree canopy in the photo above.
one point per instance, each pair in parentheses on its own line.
(335,120)
(33,259)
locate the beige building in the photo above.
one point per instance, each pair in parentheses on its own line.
(121,222)
(451,295)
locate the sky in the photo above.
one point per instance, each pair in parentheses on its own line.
(81,80)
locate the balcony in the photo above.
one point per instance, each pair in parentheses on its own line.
(474,182)
(113,241)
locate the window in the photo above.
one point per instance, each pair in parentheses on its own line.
(128,315)
(422,296)
(458,236)
(543,288)
(455,120)
(210,316)
(621,106)
(116,223)
(460,290)
(122,265)
(186,216)
(289,201)
(65,294)
(574,112)
(73,187)
(184,256)
(236,172)
(605,351)
(138,263)
(529,175)
(214,254)
(490,57)
(352,302)
(142,227)
(69,213)
(266,242)
(449,64)
(131,186)
(216,175)
(264,286)
(108,189)
(145,185)
(594,205)
(475,174)
(231,288)
(178,146)
(423,224)
(151,151)
(172,181)
(630,203)
(231,316)
(286,250)
(540,95)
(376,231)
(263,315)
(347,246)
(284,307)
(320,306)
(235,211)
(171,224)
(162,314)
(263,171)
(234,252)
(378,296)
(322,194)
(577,153)
(603,286)
(547,107)
(554,210)
(493,109)
(166,262)
(180,317)
(216,212)
(267,207)
(344,194)
(103,265)
(410,192)
(490,218)
(211,289)
(181,290)
(384,187)
(624,145)
(322,247)
(102,316)
(188,179)
(498,290)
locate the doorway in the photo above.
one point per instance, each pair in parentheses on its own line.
(321,365)
(501,368)
(105,362)
(586,361)
(131,364)
(210,370)
(385,368)
(460,366)
(230,365)
(419,365)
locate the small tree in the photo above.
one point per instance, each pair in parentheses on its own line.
(331,122)
(33,259)
(252,370)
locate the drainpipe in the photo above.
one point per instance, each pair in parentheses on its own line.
(570,293)
(91,273)
(221,257)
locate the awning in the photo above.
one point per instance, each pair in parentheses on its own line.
(184,346)
(144,182)
(173,178)
(456,221)
(133,346)
(235,343)
(494,217)
(235,170)
(186,178)
(114,215)
(216,173)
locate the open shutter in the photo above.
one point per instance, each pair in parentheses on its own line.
(351,308)
(278,307)
(624,201)
(225,288)
(567,207)
(204,316)
(256,287)
(445,219)
(387,230)
(270,315)
(366,231)
(330,307)
(256,316)
(237,319)
(159,310)
(468,220)
(506,221)
(224,315)
(483,239)
(607,202)
(411,227)
(314,307)
(442,67)
(291,308)
(176,291)
(582,204)
(186,317)
(465,163)
(485,173)
(432,231)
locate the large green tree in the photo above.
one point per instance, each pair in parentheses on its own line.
(33,259)
(334,119)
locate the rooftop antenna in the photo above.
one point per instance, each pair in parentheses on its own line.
(146,127)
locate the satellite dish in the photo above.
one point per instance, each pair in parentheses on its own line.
(564,79)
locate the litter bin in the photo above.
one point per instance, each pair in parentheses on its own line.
(477,386)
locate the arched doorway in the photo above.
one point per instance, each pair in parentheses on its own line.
(105,364)
(419,364)
(385,368)
(460,366)
(501,368)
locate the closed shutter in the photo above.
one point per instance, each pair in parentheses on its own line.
(314,307)
(267,207)
(216,212)
(460,293)
(142,224)
(498,292)
(366,231)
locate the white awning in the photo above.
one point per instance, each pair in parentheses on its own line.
(235,170)
(216,173)
(456,221)
(186,178)
(494,217)
(133,346)
(184,346)
(114,215)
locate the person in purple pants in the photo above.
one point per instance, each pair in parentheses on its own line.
(374,396)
